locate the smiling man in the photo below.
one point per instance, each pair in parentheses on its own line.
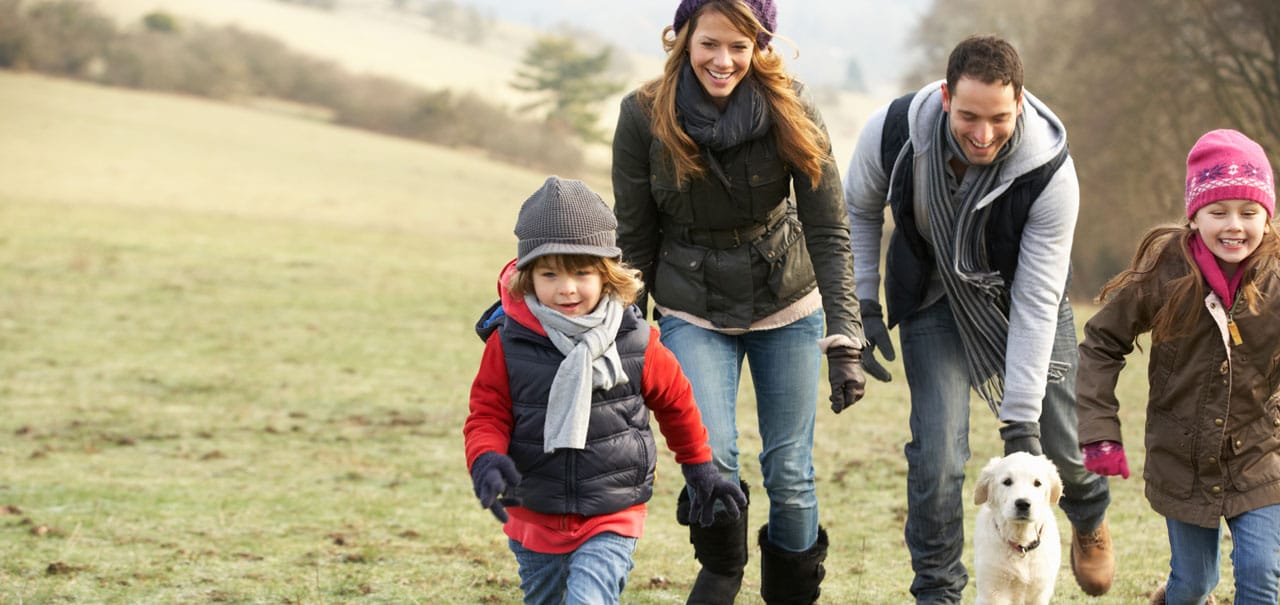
(984,199)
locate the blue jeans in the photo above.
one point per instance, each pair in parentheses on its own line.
(934,359)
(594,573)
(785,365)
(1255,557)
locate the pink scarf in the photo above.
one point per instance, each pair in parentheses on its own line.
(1208,263)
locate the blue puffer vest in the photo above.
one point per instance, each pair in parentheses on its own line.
(908,259)
(616,469)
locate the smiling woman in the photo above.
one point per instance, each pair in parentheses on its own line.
(705,158)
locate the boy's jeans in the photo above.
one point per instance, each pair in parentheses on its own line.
(595,573)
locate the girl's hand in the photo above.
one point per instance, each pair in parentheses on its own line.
(1105,458)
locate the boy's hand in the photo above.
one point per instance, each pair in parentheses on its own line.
(493,474)
(708,488)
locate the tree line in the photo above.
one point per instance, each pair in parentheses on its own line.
(72,39)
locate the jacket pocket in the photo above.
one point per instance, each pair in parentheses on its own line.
(1255,450)
(679,282)
(790,270)
(671,198)
(770,183)
(1169,465)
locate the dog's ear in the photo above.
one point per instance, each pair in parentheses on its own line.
(1055,482)
(982,490)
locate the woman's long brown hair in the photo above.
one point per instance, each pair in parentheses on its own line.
(801,142)
(1185,292)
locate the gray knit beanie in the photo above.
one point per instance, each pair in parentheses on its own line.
(565,217)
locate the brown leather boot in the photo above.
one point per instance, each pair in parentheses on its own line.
(1092,560)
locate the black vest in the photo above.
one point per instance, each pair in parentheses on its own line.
(616,469)
(909,259)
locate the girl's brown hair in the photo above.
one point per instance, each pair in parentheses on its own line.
(801,141)
(616,277)
(1183,294)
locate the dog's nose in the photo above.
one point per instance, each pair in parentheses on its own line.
(1022,504)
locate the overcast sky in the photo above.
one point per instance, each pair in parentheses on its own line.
(829,33)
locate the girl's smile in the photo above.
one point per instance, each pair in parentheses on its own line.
(1232,230)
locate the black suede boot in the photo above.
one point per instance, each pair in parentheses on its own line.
(722,550)
(791,578)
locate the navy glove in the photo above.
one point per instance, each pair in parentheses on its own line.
(848,384)
(877,337)
(493,474)
(1021,437)
(708,487)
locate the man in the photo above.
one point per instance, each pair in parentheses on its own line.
(984,200)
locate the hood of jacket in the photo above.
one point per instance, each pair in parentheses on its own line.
(508,306)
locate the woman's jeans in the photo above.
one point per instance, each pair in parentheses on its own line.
(785,364)
(1255,557)
(594,573)
(934,359)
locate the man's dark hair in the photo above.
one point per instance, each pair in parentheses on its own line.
(988,59)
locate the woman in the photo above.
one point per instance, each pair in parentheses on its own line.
(704,160)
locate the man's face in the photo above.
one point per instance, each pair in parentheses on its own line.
(983,117)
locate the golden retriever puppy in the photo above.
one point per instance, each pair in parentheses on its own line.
(1017,550)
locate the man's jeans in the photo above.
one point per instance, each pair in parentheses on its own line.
(785,364)
(934,359)
(595,573)
(1255,558)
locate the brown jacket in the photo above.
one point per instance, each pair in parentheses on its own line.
(1213,415)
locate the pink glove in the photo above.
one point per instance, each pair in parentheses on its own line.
(1105,458)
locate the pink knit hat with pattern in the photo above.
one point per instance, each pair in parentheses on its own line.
(1226,165)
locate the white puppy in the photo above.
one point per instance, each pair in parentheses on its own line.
(1017,550)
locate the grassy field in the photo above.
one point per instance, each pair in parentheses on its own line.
(235,352)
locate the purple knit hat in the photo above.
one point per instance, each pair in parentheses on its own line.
(1226,165)
(764,10)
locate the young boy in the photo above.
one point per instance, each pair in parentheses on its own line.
(559,423)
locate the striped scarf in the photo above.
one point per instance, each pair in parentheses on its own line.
(978,295)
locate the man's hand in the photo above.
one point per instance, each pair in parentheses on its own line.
(877,337)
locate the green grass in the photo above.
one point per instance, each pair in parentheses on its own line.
(235,354)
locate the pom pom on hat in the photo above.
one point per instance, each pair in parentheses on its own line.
(764,10)
(1227,165)
(565,217)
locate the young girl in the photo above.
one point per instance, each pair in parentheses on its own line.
(1209,292)
(559,423)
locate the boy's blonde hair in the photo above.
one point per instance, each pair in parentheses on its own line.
(616,277)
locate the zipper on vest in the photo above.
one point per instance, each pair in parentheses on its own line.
(570,482)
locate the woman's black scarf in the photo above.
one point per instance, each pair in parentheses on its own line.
(746,117)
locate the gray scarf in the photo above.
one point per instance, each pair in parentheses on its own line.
(978,295)
(590,362)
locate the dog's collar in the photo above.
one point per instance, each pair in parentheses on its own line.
(1023,550)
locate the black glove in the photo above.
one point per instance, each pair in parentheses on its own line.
(493,474)
(877,337)
(708,487)
(1021,437)
(844,370)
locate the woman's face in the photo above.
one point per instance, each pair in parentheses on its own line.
(720,56)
